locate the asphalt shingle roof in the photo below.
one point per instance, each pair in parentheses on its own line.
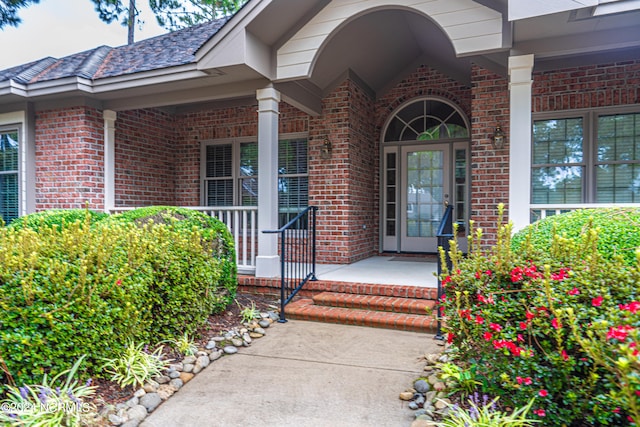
(168,50)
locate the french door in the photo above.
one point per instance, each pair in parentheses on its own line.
(418,181)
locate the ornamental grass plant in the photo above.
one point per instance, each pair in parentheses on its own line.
(559,325)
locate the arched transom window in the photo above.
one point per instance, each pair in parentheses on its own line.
(426,120)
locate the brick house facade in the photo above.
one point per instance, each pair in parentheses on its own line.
(157,141)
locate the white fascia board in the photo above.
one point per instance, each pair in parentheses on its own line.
(523,9)
(73,84)
(237,24)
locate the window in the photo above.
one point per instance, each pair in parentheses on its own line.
(9,209)
(231,175)
(588,158)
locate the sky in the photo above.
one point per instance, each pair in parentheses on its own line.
(59,28)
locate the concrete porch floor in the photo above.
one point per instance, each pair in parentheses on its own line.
(386,270)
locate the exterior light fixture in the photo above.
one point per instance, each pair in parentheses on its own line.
(325,150)
(498,138)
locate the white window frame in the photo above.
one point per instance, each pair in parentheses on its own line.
(589,145)
(16,121)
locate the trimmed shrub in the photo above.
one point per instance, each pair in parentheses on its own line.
(618,231)
(79,288)
(216,239)
(57,217)
(559,326)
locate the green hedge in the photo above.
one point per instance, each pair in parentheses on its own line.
(555,320)
(618,231)
(68,289)
(57,217)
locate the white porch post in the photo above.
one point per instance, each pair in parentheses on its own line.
(268,261)
(520,68)
(109,158)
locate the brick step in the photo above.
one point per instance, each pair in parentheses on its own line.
(305,309)
(272,287)
(375,303)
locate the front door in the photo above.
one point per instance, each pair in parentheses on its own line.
(417,181)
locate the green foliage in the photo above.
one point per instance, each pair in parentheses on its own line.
(135,366)
(618,231)
(540,324)
(488,415)
(249,313)
(57,217)
(184,345)
(53,403)
(464,380)
(90,287)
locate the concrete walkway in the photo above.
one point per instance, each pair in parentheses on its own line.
(304,374)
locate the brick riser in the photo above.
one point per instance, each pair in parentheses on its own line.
(406,308)
(252,284)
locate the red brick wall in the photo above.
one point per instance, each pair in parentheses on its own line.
(344,187)
(591,86)
(489,167)
(144,154)
(69,158)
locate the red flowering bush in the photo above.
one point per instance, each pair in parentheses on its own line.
(561,326)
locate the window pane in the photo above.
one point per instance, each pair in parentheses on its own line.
(292,156)
(557,185)
(619,137)
(293,197)
(618,183)
(9,205)
(219,161)
(558,141)
(249,191)
(426,120)
(249,159)
(220,192)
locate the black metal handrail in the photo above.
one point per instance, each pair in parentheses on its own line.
(445,234)
(297,255)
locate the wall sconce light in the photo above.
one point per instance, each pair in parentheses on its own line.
(325,150)
(498,138)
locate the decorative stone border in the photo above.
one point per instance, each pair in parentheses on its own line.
(146,399)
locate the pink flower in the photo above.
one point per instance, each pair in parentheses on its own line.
(517,274)
(520,338)
(479,320)
(632,307)
(523,325)
(597,301)
(540,412)
(543,393)
(574,291)
(495,327)
(530,315)
(478,275)
(446,281)
(450,338)
(555,323)
(560,275)
(619,332)
(564,355)
(487,336)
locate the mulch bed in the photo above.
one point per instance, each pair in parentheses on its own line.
(109,393)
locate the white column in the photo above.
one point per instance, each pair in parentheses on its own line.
(109,159)
(267,261)
(520,68)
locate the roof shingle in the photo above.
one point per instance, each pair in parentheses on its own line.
(168,50)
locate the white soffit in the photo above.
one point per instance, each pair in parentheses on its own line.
(470,26)
(522,9)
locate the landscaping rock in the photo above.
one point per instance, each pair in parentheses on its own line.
(176,384)
(173,374)
(421,386)
(189,360)
(230,349)
(216,355)
(150,401)
(131,423)
(264,323)
(115,419)
(406,395)
(211,345)
(260,331)
(138,413)
(186,377)
(162,379)
(139,393)
(151,387)
(188,367)
(166,391)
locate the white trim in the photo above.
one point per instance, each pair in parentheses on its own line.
(109,157)
(268,261)
(472,28)
(520,83)
(18,120)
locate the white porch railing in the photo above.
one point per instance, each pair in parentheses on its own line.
(543,211)
(242,222)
